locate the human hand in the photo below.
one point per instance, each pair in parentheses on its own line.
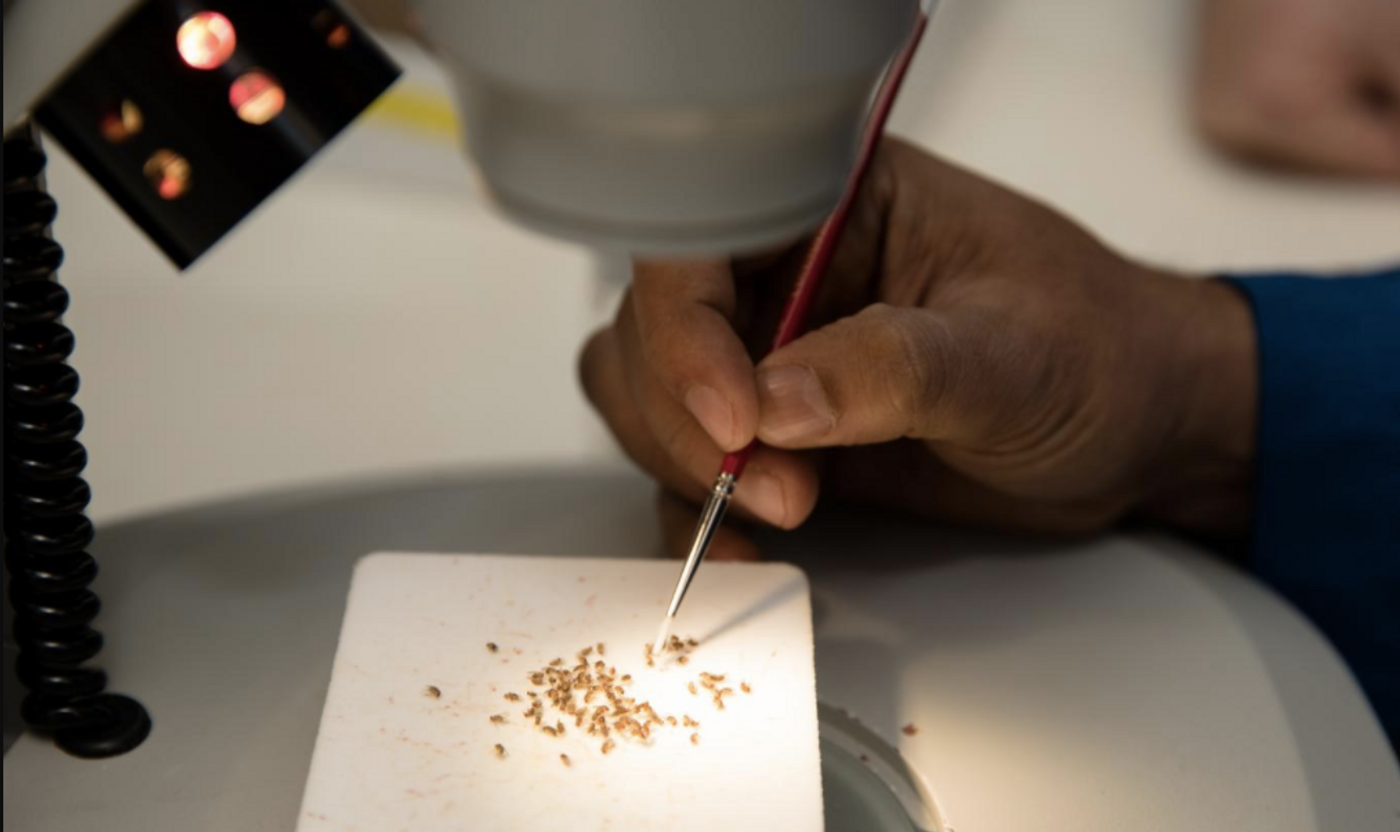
(978,358)
(1307,83)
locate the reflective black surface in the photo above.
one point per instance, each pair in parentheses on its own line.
(330,71)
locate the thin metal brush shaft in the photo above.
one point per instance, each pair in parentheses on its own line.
(794,317)
(705,529)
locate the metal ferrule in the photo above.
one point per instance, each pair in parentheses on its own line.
(710,518)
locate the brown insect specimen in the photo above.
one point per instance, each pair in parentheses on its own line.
(575,691)
(910,730)
(500,750)
(491,646)
(499,719)
(744,686)
(683,660)
(564,758)
(694,739)
(512,697)
(433,692)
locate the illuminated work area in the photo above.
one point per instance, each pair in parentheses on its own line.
(597,414)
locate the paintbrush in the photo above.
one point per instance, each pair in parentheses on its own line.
(794,317)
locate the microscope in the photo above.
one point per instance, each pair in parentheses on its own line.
(660,127)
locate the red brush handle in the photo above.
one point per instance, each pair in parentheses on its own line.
(819,256)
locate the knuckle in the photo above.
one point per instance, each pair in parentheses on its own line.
(909,361)
(652,329)
(673,435)
(1246,111)
(659,344)
(593,362)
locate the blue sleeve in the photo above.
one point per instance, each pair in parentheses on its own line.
(1327,480)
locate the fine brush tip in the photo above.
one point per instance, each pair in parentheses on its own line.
(659,646)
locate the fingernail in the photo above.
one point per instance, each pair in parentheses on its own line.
(762,493)
(713,413)
(793,405)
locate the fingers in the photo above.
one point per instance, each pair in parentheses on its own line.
(1337,119)
(603,374)
(1357,138)
(1347,136)
(884,374)
(678,519)
(778,488)
(683,315)
(1308,84)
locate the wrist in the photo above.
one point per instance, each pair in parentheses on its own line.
(1202,481)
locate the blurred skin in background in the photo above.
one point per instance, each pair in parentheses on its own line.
(1313,84)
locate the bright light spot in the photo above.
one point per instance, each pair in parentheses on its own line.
(337,32)
(339,36)
(121,124)
(257,97)
(169,173)
(206,40)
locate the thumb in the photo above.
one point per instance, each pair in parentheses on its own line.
(881,375)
